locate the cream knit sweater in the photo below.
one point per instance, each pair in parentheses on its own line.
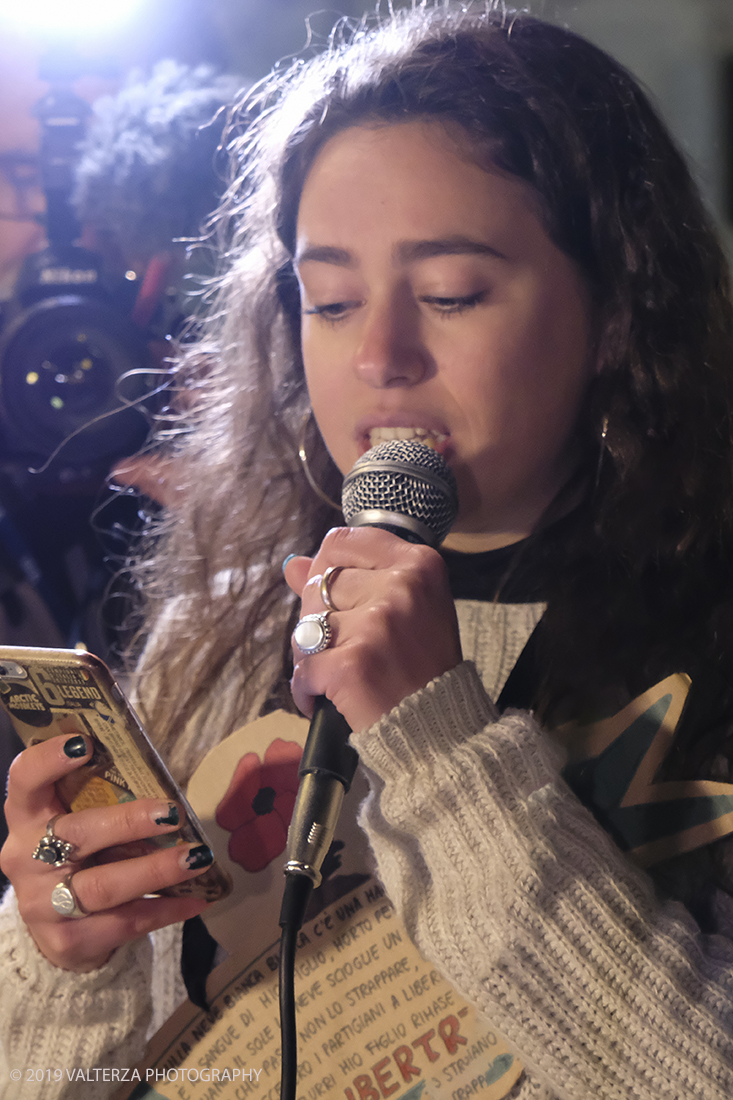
(504,880)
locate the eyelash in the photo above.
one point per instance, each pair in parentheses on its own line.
(454,305)
(333,312)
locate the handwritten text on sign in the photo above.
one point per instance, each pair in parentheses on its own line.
(374,1021)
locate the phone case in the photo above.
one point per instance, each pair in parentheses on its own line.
(48,692)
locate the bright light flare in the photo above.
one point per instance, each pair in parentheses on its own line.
(77,17)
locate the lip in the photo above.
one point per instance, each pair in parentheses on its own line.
(401,420)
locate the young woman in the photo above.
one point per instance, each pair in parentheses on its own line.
(474,230)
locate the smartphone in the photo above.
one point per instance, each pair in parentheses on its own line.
(48,692)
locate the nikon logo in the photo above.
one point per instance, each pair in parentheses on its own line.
(68,275)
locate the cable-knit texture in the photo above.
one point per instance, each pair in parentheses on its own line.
(168,987)
(503,879)
(56,1019)
(507,883)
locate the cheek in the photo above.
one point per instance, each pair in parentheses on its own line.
(329,404)
(315,364)
(524,393)
(552,352)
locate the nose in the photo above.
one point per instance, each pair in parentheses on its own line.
(390,351)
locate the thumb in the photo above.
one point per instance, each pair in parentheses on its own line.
(295,570)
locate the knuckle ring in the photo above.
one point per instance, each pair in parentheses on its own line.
(51,849)
(313,633)
(65,902)
(325,586)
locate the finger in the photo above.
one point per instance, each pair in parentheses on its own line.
(384,651)
(34,771)
(296,571)
(363,548)
(301,689)
(109,885)
(88,943)
(323,633)
(378,568)
(360,547)
(313,675)
(93,830)
(342,589)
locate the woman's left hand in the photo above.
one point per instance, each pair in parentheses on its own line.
(395,628)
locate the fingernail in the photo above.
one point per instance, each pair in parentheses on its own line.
(171,815)
(289,558)
(75,747)
(199,857)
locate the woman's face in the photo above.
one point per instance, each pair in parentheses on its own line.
(435,306)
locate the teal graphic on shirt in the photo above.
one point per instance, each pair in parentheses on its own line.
(612,767)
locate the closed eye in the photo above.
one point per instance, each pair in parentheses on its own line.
(453,305)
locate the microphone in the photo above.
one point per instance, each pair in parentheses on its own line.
(407,488)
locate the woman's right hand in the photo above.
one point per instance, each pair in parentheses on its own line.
(111,893)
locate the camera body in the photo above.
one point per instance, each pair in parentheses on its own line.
(68,341)
(75,367)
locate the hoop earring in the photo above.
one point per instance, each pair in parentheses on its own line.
(303,456)
(601,452)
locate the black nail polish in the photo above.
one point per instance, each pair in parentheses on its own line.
(172,817)
(199,857)
(75,747)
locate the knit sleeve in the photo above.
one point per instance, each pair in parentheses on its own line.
(53,1019)
(508,884)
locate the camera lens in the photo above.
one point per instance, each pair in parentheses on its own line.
(62,361)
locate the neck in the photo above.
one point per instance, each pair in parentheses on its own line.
(524,522)
(476,542)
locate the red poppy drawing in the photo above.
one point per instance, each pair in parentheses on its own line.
(258,804)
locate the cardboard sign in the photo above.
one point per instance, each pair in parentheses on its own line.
(374,1019)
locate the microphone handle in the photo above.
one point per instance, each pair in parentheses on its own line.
(329,762)
(326,770)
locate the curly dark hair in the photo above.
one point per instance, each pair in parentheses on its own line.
(653,538)
(147,166)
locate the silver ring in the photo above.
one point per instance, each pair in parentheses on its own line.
(325,586)
(313,633)
(51,849)
(65,902)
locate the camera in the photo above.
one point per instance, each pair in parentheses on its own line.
(64,360)
(76,375)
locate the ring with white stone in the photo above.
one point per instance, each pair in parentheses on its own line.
(313,633)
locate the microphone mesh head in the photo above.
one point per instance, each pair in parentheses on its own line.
(407,478)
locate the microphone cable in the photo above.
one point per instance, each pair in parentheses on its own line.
(326,770)
(298,889)
(407,488)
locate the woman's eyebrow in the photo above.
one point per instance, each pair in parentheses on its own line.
(404,253)
(325,254)
(412,251)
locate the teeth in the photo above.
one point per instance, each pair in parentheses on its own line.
(421,435)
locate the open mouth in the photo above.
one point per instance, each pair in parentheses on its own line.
(419,435)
